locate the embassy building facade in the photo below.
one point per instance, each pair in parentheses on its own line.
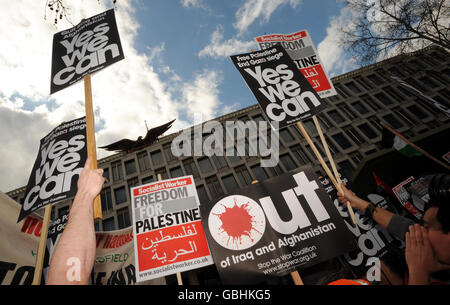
(350,122)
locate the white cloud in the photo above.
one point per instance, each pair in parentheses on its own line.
(330,50)
(124,95)
(254,9)
(223,48)
(202,96)
(192,3)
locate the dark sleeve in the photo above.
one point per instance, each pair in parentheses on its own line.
(398,226)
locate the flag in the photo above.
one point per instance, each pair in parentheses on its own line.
(390,140)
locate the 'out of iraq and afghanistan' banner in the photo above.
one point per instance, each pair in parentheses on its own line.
(301,49)
(168,231)
(91,45)
(271,228)
(61,158)
(282,91)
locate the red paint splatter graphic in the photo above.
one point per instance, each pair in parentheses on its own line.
(237,222)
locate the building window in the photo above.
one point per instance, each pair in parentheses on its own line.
(214,186)
(342,91)
(336,117)
(405,116)
(202,195)
(275,171)
(162,171)
(427,81)
(106,173)
(123,218)
(363,83)
(356,157)
(117,170)
(369,101)
(130,167)
(288,162)
(418,112)
(259,173)
(147,180)
(243,175)
(108,224)
(219,161)
(120,195)
(342,141)
(144,162)
(205,165)
(286,135)
(300,155)
(234,158)
(230,183)
(331,146)
(157,157)
(190,168)
(168,152)
(395,72)
(383,99)
(394,94)
(354,135)
(324,122)
(106,200)
(352,86)
(360,108)
(391,120)
(367,131)
(375,79)
(348,112)
(346,169)
(132,183)
(176,172)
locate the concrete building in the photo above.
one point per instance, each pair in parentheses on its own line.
(350,123)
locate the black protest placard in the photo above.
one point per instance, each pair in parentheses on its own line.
(281,90)
(270,228)
(61,158)
(91,45)
(375,244)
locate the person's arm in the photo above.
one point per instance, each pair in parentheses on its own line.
(381,216)
(74,255)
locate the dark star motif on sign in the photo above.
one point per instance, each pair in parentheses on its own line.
(128,145)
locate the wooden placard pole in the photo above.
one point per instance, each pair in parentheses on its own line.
(333,166)
(294,274)
(90,134)
(179,278)
(42,245)
(322,162)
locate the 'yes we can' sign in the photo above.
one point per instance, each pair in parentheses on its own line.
(60,160)
(282,91)
(89,46)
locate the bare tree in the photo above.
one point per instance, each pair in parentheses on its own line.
(59,10)
(384,28)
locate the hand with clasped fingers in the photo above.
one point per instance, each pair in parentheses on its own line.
(420,257)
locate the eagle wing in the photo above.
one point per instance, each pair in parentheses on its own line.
(121,145)
(153,133)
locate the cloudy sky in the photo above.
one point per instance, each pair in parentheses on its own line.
(176,64)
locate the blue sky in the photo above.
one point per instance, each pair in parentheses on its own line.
(176,65)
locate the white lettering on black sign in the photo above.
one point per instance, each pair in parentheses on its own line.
(281,90)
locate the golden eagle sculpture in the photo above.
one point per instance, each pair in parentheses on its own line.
(128,145)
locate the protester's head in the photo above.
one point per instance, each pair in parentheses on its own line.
(437,216)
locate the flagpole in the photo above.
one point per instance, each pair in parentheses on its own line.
(413,145)
(42,245)
(90,134)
